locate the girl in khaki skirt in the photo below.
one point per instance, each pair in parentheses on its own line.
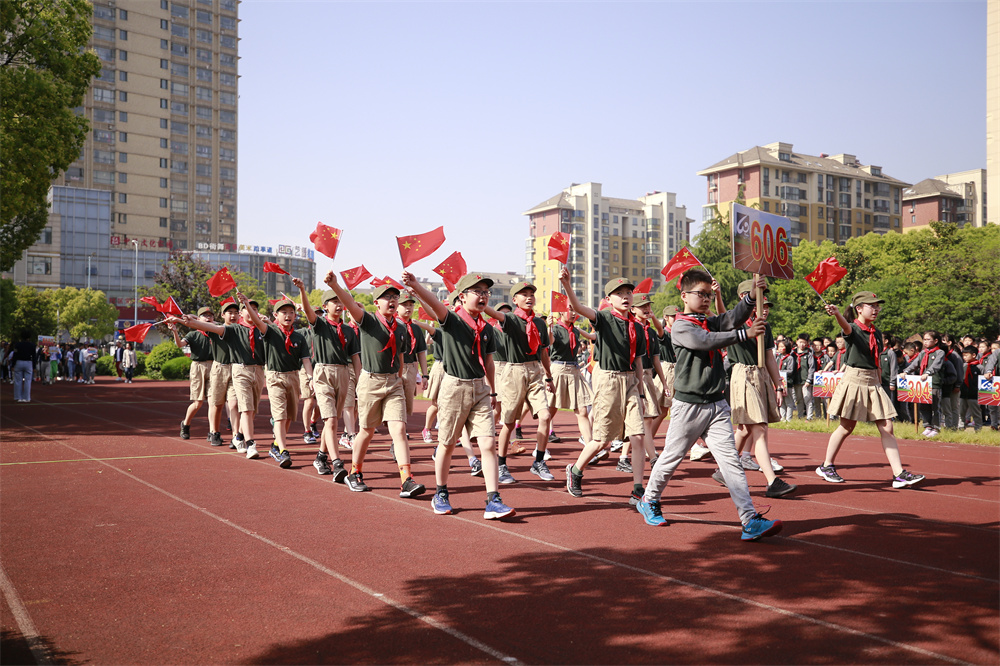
(859,395)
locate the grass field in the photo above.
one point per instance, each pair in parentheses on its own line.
(984,437)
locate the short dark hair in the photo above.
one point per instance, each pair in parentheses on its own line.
(935,335)
(694,276)
(804,336)
(969,349)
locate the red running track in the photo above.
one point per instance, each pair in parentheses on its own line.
(122,543)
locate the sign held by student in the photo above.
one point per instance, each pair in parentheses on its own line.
(760,242)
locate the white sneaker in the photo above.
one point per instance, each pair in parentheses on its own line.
(616,445)
(698,452)
(548,456)
(748,463)
(345,441)
(252,452)
(776,466)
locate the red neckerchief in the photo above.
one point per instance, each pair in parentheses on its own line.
(391,344)
(872,342)
(649,344)
(968,366)
(531,329)
(413,337)
(839,359)
(253,344)
(629,320)
(572,336)
(477,325)
(703,324)
(927,357)
(289,347)
(783,359)
(337,325)
(798,358)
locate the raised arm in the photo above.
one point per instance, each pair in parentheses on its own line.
(720,305)
(426,298)
(582,309)
(178,340)
(496,314)
(254,317)
(310,315)
(197,324)
(357,312)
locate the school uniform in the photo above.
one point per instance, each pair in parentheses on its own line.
(413,345)
(652,391)
(200,344)
(523,379)
(667,363)
(859,395)
(306,390)
(617,405)
(889,369)
(464,394)
(786,365)
(970,396)
(433,388)
(950,388)
(381,396)
(752,394)
(284,352)
(246,344)
(570,389)
(220,382)
(801,381)
(929,362)
(334,345)
(988,366)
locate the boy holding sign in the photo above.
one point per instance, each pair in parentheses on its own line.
(859,395)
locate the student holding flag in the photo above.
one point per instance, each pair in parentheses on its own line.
(201,369)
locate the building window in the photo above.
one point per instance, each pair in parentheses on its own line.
(177,127)
(122,55)
(180,11)
(102,95)
(229,60)
(123,14)
(179,49)
(164,104)
(123,178)
(203,36)
(122,96)
(164,143)
(163,204)
(46,237)
(104,178)
(203,131)
(163,162)
(203,16)
(123,137)
(104,157)
(126,272)
(104,136)
(203,74)
(204,55)
(227,116)
(122,218)
(228,41)
(202,93)
(179,147)
(203,112)
(39,265)
(163,183)
(163,220)
(122,75)
(227,98)
(227,23)
(122,157)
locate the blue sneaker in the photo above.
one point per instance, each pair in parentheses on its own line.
(758,527)
(651,513)
(440,504)
(497,509)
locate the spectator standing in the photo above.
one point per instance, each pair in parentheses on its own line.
(129,362)
(23,356)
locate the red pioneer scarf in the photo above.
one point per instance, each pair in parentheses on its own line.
(572,336)
(838,361)
(968,367)
(531,329)
(413,337)
(926,358)
(872,342)
(289,347)
(701,323)
(252,328)
(340,332)
(477,325)
(391,327)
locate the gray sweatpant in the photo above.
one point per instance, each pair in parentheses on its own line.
(713,423)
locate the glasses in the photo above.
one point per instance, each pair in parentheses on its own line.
(703,294)
(484,293)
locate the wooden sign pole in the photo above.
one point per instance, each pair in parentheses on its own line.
(760,313)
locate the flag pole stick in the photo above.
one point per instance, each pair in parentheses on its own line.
(817,293)
(760,313)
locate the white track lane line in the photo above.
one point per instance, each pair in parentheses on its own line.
(38,649)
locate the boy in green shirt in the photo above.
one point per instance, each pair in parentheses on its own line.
(200,344)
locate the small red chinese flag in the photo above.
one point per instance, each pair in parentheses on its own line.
(221,282)
(170,307)
(150,300)
(325,239)
(223,304)
(560,302)
(452,269)
(271,267)
(604,304)
(416,247)
(422,314)
(679,263)
(137,333)
(559,247)
(355,276)
(826,275)
(378,282)
(643,287)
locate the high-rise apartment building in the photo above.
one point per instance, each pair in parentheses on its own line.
(825,197)
(610,238)
(163,121)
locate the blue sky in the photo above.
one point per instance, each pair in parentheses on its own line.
(386,119)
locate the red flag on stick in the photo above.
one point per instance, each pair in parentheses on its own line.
(223,304)
(560,302)
(452,269)
(151,300)
(221,282)
(416,247)
(170,307)
(378,282)
(355,276)
(679,263)
(422,314)
(643,287)
(137,333)
(559,247)
(604,304)
(826,275)
(325,239)
(271,267)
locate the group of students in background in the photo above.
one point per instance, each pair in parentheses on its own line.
(953,364)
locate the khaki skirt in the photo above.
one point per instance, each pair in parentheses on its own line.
(652,391)
(752,396)
(569,389)
(860,397)
(434,381)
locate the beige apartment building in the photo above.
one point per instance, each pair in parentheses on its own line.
(163,118)
(826,197)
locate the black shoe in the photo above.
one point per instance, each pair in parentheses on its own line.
(517,433)
(554,438)
(208,437)
(322,468)
(185,431)
(356,483)
(411,488)
(339,472)
(215,439)
(779,488)
(574,482)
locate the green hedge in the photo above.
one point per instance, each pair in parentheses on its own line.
(176,368)
(161,353)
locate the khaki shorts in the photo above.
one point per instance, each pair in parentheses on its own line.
(666,391)
(305,390)
(434,381)
(248,380)
(201,373)
(332,383)
(220,385)
(617,405)
(380,398)
(463,403)
(521,383)
(570,389)
(283,393)
(352,388)
(652,394)
(410,373)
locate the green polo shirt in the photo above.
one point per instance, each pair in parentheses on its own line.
(500,356)
(239,345)
(279,359)
(458,339)
(745,352)
(612,350)
(667,354)
(560,350)
(415,336)
(859,353)
(200,345)
(374,337)
(437,342)
(326,345)
(516,332)
(652,346)
(221,349)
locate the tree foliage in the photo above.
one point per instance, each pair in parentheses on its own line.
(84,313)
(45,72)
(185,278)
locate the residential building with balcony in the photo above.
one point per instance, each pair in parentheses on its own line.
(934,199)
(971,185)
(825,197)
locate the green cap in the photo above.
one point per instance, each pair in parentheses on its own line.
(670,311)
(329,295)
(747,286)
(505,305)
(282,303)
(863,297)
(616,284)
(383,290)
(521,286)
(406,297)
(453,296)
(205,310)
(640,300)
(470,280)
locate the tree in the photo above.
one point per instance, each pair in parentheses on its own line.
(45,72)
(8,303)
(32,311)
(84,313)
(185,277)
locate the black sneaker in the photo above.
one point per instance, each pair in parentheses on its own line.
(574,482)
(215,439)
(779,488)
(624,465)
(356,483)
(185,431)
(208,437)
(411,488)
(906,479)
(517,433)
(554,438)
(321,465)
(339,472)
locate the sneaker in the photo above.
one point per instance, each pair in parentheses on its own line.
(541,470)
(317,430)
(698,452)
(776,466)
(274,451)
(505,476)
(717,477)
(440,503)
(208,437)
(322,468)
(309,438)
(241,444)
(356,483)
(517,433)
(758,527)
(339,472)
(748,463)
(426,434)
(496,509)
(599,456)
(779,489)
(574,482)
(185,431)
(906,479)
(554,438)
(251,450)
(476,467)
(547,457)
(215,439)
(284,459)
(624,465)
(651,513)
(926,432)
(829,473)
(616,445)
(635,497)
(411,488)
(934,432)
(345,441)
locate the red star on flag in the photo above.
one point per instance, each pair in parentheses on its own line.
(452,269)
(559,247)
(416,247)
(355,276)
(326,239)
